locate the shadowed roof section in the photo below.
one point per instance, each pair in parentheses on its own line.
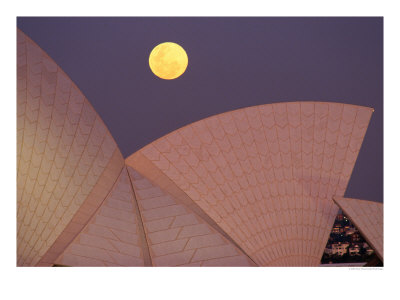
(248,187)
(75,199)
(67,161)
(113,235)
(368,218)
(178,234)
(265,174)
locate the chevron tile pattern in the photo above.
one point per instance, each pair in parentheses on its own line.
(112,237)
(368,218)
(248,187)
(63,150)
(266,174)
(176,235)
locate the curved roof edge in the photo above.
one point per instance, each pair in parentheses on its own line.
(248,107)
(265,174)
(367,215)
(67,157)
(73,82)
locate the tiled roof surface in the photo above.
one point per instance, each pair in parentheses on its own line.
(112,237)
(66,156)
(368,218)
(266,174)
(176,235)
(248,187)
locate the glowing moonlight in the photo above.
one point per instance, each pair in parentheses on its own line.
(168,60)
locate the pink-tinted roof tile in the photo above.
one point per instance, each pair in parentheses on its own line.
(177,229)
(367,216)
(63,149)
(254,182)
(112,234)
(284,149)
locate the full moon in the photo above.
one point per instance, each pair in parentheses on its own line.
(168,60)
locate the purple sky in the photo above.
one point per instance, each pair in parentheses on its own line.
(233,63)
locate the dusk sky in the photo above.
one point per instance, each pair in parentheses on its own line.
(233,63)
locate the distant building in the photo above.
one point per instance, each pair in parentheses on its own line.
(349,230)
(356,237)
(212,193)
(354,250)
(328,250)
(369,251)
(340,248)
(368,217)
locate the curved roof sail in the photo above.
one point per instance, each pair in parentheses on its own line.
(67,160)
(265,174)
(247,187)
(368,218)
